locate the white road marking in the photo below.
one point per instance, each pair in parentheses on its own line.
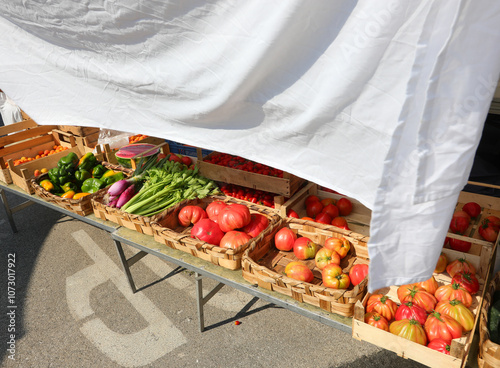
(129,350)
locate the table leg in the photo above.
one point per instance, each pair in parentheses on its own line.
(202,300)
(8,210)
(127,263)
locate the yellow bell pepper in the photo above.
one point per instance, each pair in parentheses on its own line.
(69,194)
(108,173)
(80,195)
(47,185)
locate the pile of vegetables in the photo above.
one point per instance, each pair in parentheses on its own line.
(74,177)
(158,185)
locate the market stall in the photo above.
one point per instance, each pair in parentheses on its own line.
(384,103)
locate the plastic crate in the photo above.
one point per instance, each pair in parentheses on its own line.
(184,149)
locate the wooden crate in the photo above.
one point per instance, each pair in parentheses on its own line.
(264,265)
(407,349)
(167,230)
(358,220)
(25,138)
(489,351)
(78,130)
(285,186)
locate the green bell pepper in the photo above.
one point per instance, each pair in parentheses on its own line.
(87,162)
(82,175)
(98,171)
(59,176)
(92,185)
(66,187)
(113,178)
(68,162)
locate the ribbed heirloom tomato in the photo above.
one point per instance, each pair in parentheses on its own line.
(284,239)
(191,215)
(441,263)
(460,245)
(467,280)
(430,285)
(472,209)
(460,265)
(208,231)
(234,239)
(326,256)
(440,345)
(345,206)
(234,216)
(383,305)
(418,296)
(410,311)
(334,278)
(304,248)
(453,291)
(441,326)
(376,320)
(339,245)
(299,271)
(409,329)
(459,312)
(213,210)
(258,223)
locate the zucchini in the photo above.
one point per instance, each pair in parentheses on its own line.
(494,321)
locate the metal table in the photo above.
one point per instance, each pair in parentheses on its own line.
(146,244)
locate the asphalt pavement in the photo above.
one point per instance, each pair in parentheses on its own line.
(66,303)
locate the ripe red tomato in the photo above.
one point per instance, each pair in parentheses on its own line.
(175,158)
(323,218)
(493,221)
(284,239)
(467,280)
(441,263)
(430,285)
(213,210)
(208,231)
(441,326)
(310,199)
(383,305)
(326,256)
(409,329)
(488,231)
(459,312)
(358,272)
(326,201)
(459,224)
(304,248)
(453,291)
(258,223)
(234,239)
(376,320)
(460,245)
(340,222)
(460,265)
(233,216)
(472,209)
(299,271)
(339,245)
(334,278)
(418,296)
(314,208)
(332,210)
(440,345)
(292,213)
(345,206)
(191,215)
(409,310)
(186,160)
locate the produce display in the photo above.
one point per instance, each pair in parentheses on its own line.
(157,185)
(75,177)
(126,153)
(240,163)
(136,138)
(44,153)
(248,194)
(430,313)
(325,211)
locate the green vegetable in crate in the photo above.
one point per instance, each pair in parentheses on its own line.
(66,187)
(111,179)
(59,175)
(92,185)
(68,162)
(81,176)
(87,162)
(494,322)
(98,171)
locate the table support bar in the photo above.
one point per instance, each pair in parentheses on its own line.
(202,300)
(10,211)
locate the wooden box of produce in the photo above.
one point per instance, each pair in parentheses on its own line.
(24,142)
(489,326)
(167,230)
(236,170)
(87,141)
(264,265)
(78,130)
(461,344)
(358,218)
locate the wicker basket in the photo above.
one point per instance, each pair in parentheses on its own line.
(81,206)
(166,230)
(141,224)
(264,265)
(489,352)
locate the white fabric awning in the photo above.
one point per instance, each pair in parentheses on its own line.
(382,101)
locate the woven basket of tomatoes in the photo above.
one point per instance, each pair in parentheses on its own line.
(313,263)
(217,229)
(431,322)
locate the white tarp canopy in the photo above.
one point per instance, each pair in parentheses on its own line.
(383,101)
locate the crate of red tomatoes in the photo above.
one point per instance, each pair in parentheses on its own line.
(237,170)
(311,262)
(432,322)
(217,229)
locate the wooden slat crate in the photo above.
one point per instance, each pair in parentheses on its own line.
(459,347)
(285,186)
(264,265)
(78,130)
(25,138)
(358,220)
